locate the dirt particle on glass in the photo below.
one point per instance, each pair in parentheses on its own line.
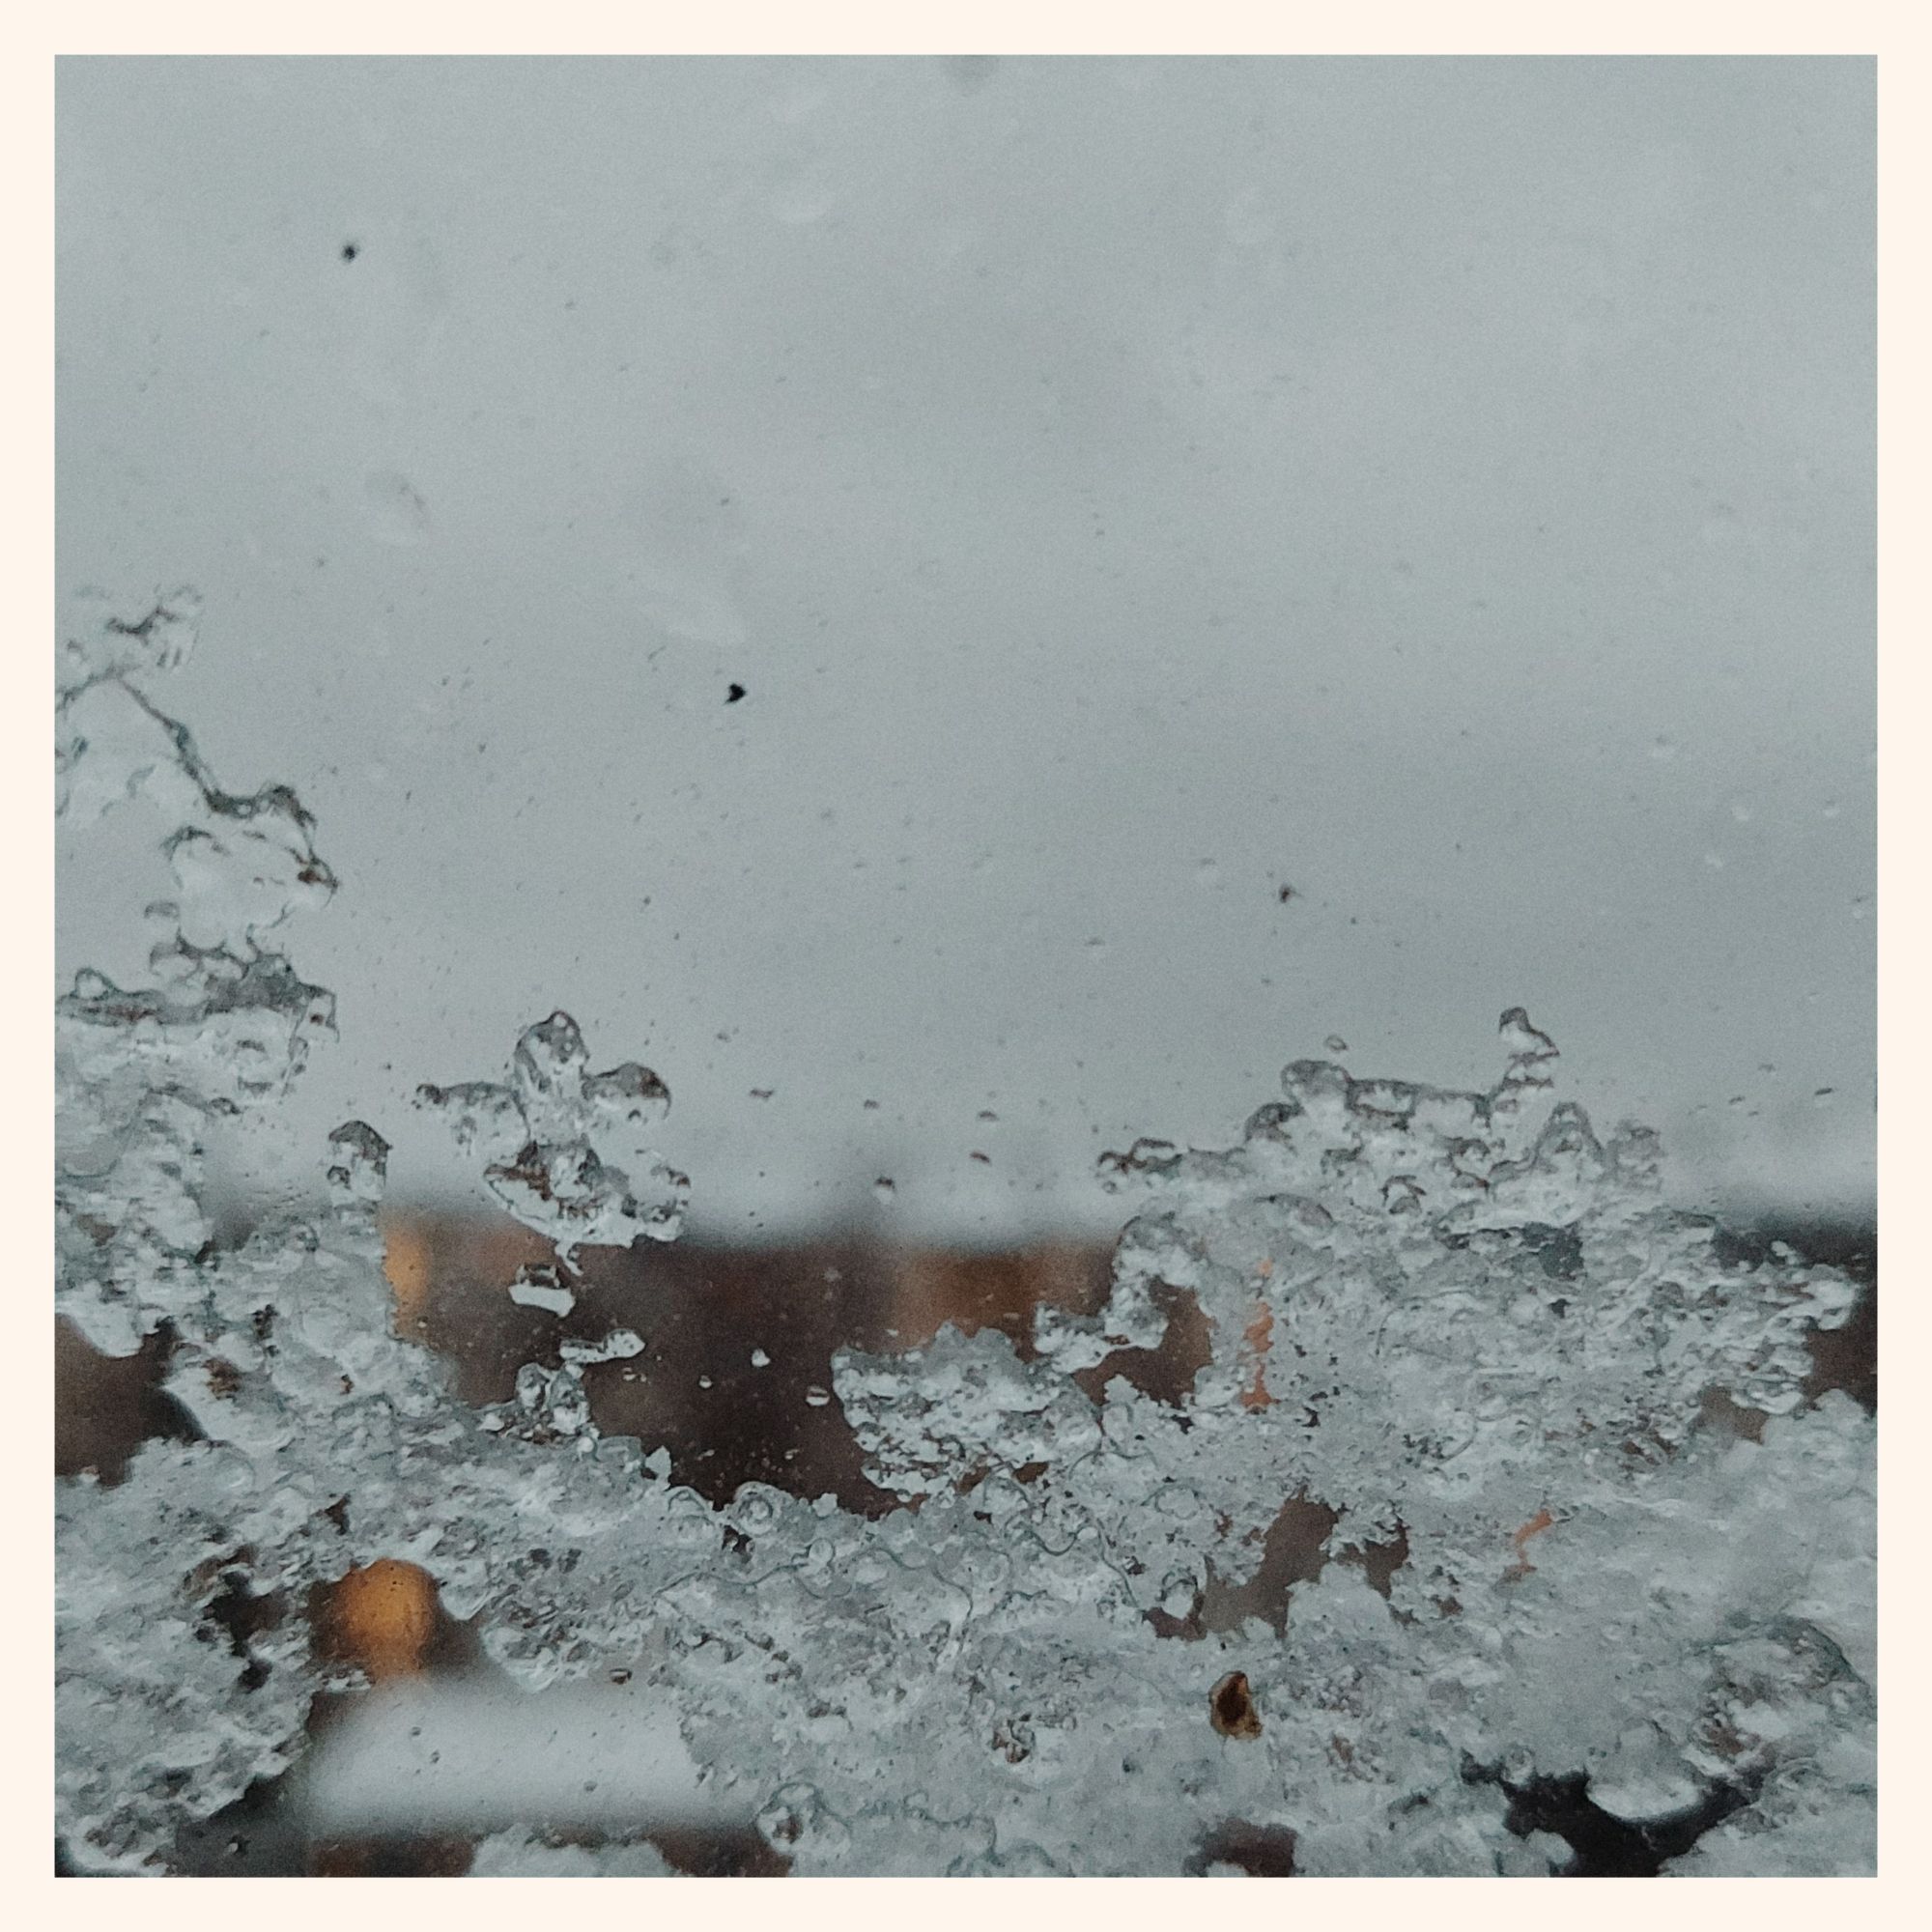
(1231,1707)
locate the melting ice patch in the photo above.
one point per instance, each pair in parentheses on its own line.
(1460,1328)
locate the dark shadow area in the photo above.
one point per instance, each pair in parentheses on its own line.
(391,1857)
(105,1407)
(238,1615)
(256,1836)
(1165,1372)
(1261,1851)
(1602,1845)
(727,1854)
(1294,1551)
(736,1376)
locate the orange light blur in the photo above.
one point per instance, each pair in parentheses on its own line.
(383,1618)
(407,1267)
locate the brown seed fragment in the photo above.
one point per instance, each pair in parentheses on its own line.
(1257,1338)
(1231,1707)
(1523,1567)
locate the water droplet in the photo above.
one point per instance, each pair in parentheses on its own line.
(883,1188)
(970,73)
(1523,1041)
(627,1096)
(359,1165)
(795,1820)
(759,1359)
(1335,1043)
(398,515)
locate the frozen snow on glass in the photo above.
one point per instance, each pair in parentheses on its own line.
(1461,1333)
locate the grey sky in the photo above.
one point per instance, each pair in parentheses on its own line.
(1122,488)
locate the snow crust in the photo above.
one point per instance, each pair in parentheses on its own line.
(1463,1325)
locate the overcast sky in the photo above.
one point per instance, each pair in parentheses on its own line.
(1122,489)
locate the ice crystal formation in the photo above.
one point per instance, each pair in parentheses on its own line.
(1459,1333)
(553,1137)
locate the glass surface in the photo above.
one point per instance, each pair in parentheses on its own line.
(965,611)
(1124,491)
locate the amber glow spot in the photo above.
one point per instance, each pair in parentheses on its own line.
(405,1264)
(381,1617)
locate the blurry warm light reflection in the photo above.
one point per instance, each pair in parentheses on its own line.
(381,1617)
(406,1264)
